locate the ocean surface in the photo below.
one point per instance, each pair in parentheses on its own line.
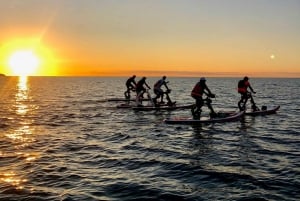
(61,140)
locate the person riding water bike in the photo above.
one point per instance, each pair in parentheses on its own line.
(160,93)
(130,85)
(243,86)
(140,89)
(199,89)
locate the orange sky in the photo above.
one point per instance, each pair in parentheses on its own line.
(259,38)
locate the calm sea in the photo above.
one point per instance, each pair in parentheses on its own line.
(60,140)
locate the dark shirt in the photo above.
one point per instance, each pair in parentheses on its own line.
(130,80)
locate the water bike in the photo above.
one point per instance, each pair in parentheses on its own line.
(256,111)
(219,117)
(153,105)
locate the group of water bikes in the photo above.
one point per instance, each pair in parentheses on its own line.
(200,89)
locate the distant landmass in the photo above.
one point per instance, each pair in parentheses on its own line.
(1,75)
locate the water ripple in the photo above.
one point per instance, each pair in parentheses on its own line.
(63,142)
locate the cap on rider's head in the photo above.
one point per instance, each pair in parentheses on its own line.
(164,77)
(202,79)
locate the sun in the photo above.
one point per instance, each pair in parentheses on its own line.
(23,62)
(272,56)
(28,57)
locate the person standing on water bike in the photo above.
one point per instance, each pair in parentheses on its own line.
(243,86)
(131,85)
(140,89)
(160,93)
(199,89)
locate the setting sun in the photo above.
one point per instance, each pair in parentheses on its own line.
(23,62)
(27,57)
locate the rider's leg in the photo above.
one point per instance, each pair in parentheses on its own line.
(141,96)
(253,105)
(196,110)
(244,100)
(160,94)
(210,108)
(156,97)
(170,103)
(161,97)
(212,112)
(138,97)
(127,93)
(241,103)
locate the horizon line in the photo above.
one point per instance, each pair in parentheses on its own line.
(172,74)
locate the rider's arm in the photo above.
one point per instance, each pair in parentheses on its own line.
(147,85)
(207,89)
(251,89)
(165,83)
(208,93)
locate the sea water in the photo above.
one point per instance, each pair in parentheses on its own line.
(61,140)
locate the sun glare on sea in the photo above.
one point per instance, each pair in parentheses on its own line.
(23,62)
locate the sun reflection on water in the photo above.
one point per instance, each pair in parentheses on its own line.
(12,179)
(23,83)
(22,95)
(23,132)
(21,137)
